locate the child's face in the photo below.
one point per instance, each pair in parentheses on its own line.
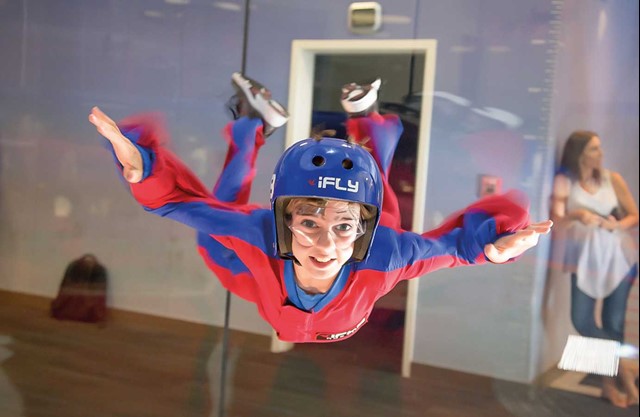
(323,237)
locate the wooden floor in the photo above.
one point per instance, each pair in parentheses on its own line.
(139,365)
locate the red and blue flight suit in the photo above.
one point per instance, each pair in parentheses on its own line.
(238,240)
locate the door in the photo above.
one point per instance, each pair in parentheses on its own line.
(407,69)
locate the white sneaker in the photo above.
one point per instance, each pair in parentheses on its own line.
(360,99)
(254,100)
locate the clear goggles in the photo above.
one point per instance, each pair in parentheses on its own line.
(337,223)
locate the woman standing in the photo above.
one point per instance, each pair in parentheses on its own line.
(595,208)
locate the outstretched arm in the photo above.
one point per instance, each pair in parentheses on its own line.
(626,202)
(514,245)
(128,155)
(559,212)
(502,224)
(495,229)
(163,185)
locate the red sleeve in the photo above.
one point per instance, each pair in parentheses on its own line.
(509,210)
(171,180)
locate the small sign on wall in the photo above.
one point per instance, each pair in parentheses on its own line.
(365,17)
(489,185)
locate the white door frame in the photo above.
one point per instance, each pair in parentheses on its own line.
(303,53)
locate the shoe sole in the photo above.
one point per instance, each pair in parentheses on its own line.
(358,98)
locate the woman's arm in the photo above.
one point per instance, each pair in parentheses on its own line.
(628,205)
(559,213)
(559,196)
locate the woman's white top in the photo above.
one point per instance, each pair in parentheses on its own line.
(600,258)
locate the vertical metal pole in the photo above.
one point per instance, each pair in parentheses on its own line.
(223,358)
(227,308)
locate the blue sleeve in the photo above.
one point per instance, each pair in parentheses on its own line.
(411,254)
(460,240)
(253,227)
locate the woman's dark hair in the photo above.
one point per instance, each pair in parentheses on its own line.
(573,149)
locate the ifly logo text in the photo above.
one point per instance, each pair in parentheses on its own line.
(351,186)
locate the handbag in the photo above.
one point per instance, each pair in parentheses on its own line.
(83,292)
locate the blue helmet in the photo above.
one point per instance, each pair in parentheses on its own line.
(326,168)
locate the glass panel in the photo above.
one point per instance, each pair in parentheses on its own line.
(513,80)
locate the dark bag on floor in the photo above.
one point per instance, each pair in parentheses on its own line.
(83,292)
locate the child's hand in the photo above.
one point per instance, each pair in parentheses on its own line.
(516,244)
(127,154)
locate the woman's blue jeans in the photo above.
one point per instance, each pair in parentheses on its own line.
(613,310)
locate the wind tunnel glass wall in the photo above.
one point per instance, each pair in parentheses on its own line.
(493,119)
